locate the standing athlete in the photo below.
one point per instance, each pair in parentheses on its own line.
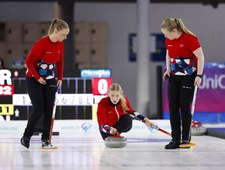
(45,55)
(184,68)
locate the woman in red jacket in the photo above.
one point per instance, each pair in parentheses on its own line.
(45,55)
(184,68)
(115,113)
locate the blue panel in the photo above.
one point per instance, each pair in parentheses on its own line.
(159,55)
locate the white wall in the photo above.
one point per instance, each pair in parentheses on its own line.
(207,23)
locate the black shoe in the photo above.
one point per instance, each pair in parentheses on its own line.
(173,145)
(25,141)
(46,144)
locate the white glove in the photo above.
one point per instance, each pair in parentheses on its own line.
(150,124)
(113,131)
(154,126)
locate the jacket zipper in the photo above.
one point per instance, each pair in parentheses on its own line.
(117,113)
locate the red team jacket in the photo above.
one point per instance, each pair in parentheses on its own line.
(48,52)
(109,114)
(183,46)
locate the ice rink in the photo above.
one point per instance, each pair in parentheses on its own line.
(88,152)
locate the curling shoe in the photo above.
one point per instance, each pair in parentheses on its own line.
(46,144)
(173,145)
(25,141)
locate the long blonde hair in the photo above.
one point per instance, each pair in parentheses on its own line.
(175,23)
(57,24)
(117,87)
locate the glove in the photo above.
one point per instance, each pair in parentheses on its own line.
(150,124)
(154,126)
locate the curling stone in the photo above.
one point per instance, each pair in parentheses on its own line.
(115,142)
(198,131)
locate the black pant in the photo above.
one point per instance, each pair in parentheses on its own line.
(123,125)
(42,98)
(180,93)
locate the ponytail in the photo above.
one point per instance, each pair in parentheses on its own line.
(175,23)
(57,24)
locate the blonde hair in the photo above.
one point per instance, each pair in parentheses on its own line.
(175,23)
(57,24)
(117,87)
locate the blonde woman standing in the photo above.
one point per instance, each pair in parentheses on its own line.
(184,68)
(45,56)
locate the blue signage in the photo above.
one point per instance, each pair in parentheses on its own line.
(96,73)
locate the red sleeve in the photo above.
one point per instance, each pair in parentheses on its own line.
(32,59)
(101,113)
(60,64)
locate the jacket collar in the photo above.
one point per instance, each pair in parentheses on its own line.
(112,103)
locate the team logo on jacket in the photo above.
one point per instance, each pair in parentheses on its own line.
(181,45)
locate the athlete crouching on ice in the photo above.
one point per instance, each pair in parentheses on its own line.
(115,113)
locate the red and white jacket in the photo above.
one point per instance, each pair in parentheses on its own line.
(45,52)
(108,113)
